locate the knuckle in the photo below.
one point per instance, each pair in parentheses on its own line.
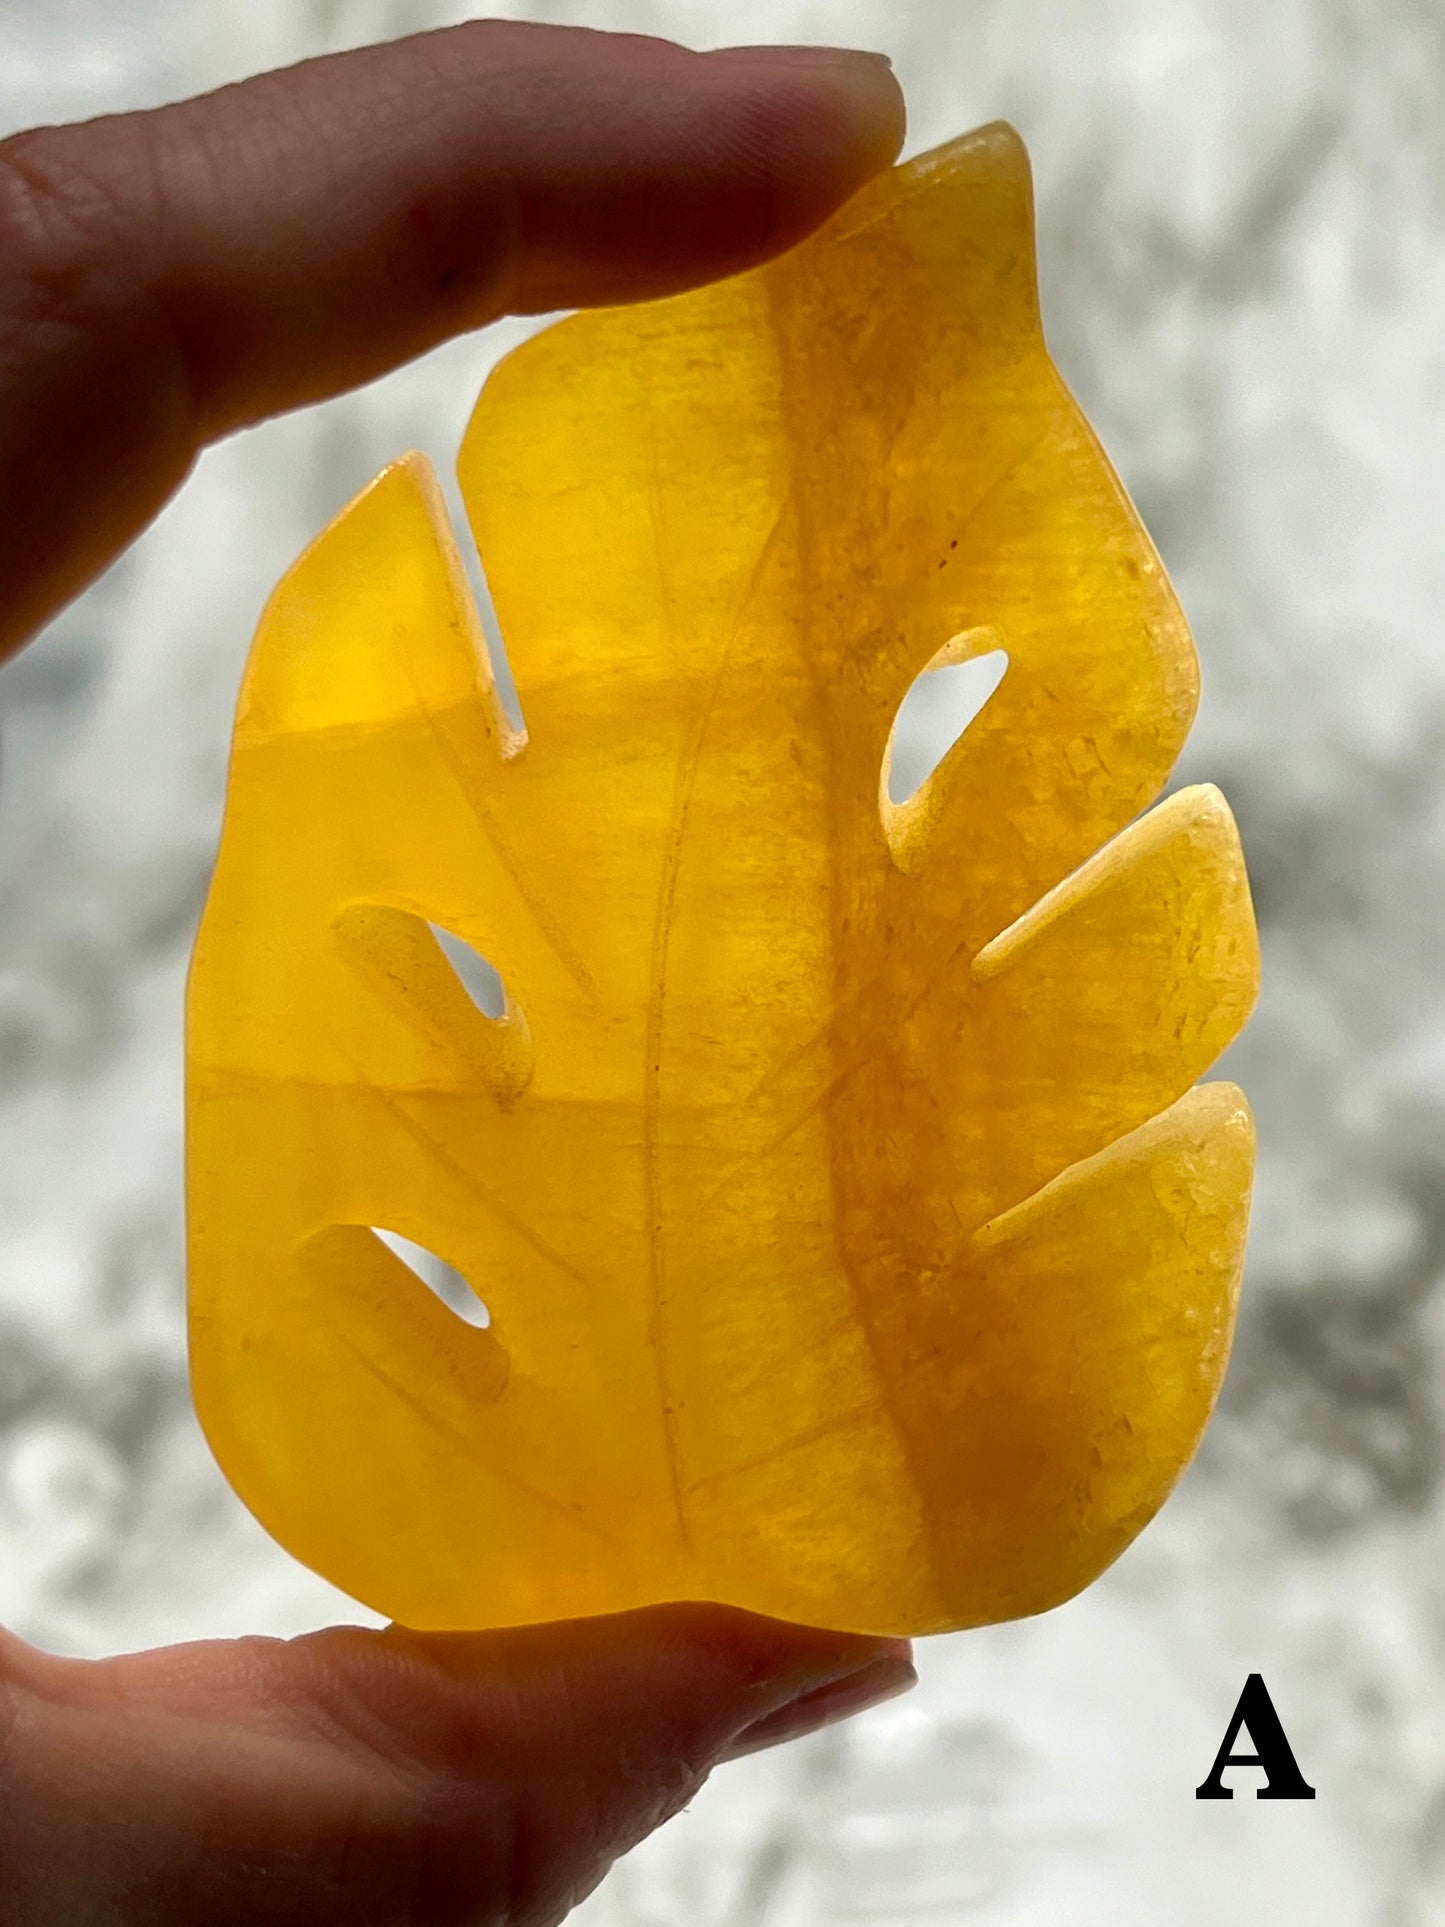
(65,224)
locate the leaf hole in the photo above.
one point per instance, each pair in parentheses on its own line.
(478,978)
(942,702)
(442,1280)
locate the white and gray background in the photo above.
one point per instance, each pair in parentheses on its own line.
(1242,239)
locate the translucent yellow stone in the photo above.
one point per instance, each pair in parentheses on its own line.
(858,1245)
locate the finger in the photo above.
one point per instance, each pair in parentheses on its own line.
(364,1777)
(169,276)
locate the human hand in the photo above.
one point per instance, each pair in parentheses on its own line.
(167,278)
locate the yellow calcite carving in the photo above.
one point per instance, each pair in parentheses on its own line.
(859,1246)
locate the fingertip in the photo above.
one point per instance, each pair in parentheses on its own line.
(859,87)
(707,164)
(686,1677)
(673,1689)
(730,1660)
(885,1678)
(827,119)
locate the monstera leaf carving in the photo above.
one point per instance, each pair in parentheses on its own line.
(858,1244)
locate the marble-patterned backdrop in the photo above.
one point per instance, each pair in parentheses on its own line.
(1243,257)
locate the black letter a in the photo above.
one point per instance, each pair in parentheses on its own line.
(1284,1781)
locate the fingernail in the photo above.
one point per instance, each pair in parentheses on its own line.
(882,1679)
(850,59)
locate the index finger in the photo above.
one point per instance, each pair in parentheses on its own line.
(167,277)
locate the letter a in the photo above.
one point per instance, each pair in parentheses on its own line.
(1283,1779)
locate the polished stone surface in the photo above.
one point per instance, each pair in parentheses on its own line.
(859,1244)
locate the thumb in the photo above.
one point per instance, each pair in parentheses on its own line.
(392,1777)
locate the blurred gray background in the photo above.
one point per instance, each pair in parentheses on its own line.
(1242,241)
